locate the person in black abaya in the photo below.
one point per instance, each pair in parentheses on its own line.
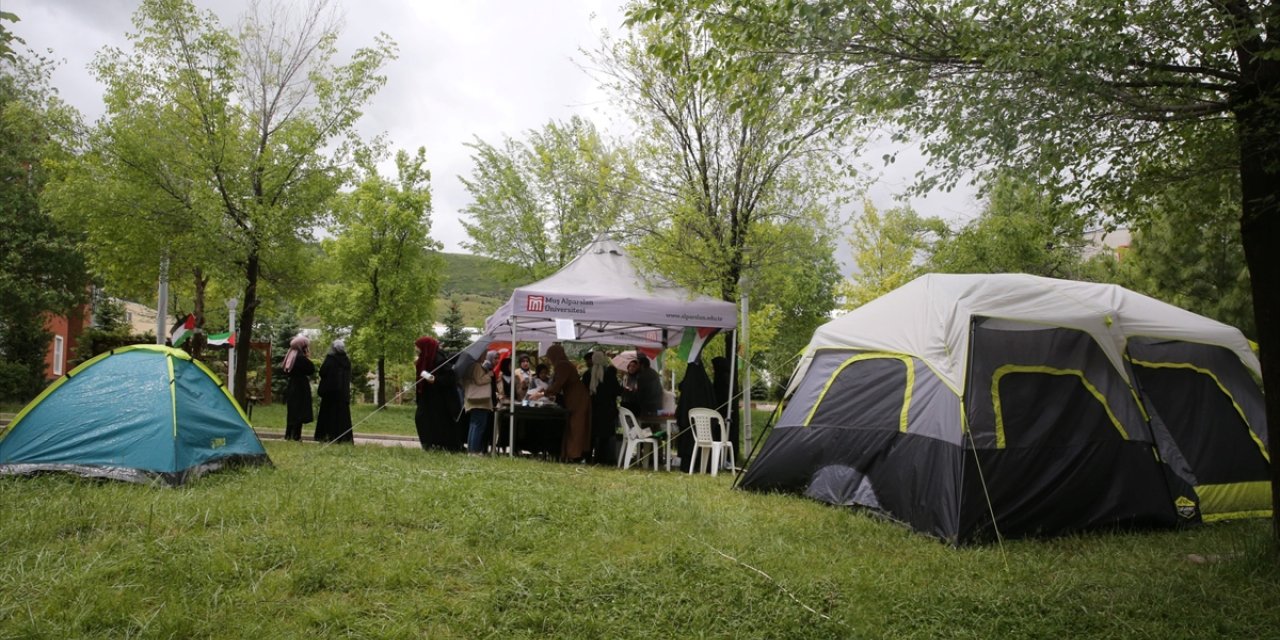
(730,411)
(333,422)
(695,391)
(297,391)
(438,399)
(601,379)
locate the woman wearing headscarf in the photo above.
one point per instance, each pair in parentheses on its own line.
(333,421)
(565,382)
(696,391)
(297,391)
(477,393)
(436,393)
(601,379)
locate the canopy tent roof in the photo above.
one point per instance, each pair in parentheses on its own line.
(609,302)
(930,317)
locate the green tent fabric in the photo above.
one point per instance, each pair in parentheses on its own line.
(139,413)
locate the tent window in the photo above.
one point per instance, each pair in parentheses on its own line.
(1002,372)
(867,391)
(1205,420)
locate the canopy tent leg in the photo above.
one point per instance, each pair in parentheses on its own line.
(511,397)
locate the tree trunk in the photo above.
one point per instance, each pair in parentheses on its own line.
(197,340)
(382,382)
(1260,234)
(244,334)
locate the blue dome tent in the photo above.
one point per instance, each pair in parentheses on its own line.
(138,414)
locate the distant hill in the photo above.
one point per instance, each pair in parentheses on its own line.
(468,274)
(471,280)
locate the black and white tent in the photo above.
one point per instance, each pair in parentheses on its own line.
(968,406)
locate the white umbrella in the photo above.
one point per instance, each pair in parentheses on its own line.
(623,359)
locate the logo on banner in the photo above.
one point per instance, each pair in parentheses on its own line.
(535,303)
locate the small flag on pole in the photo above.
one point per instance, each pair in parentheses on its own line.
(222,339)
(182,330)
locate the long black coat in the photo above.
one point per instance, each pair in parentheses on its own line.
(695,391)
(437,417)
(604,416)
(297,392)
(334,420)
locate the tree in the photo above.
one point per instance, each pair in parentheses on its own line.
(455,338)
(791,298)
(889,251)
(384,276)
(537,203)
(1022,229)
(40,270)
(254,133)
(1102,95)
(724,164)
(1190,255)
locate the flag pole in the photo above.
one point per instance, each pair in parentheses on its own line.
(231,353)
(162,302)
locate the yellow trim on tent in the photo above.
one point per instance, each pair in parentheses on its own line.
(1225,501)
(906,397)
(225,390)
(76,371)
(937,374)
(173,394)
(1141,406)
(1021,368)
(1240,410)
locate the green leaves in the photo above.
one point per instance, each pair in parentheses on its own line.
(41,270)
(380,271)
(536,203)
(889,250)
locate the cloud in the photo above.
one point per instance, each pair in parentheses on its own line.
(480,68)
(475,68)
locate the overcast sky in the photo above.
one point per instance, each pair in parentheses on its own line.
(467,69)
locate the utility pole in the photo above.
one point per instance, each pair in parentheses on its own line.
(162,302)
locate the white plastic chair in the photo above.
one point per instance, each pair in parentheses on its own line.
(633,438)
(705,442)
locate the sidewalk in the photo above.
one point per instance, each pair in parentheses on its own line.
(368,438)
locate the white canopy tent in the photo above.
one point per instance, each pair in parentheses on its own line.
(608,301)
(601,297)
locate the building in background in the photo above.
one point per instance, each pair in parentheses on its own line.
(140,318)
(66,332)
(1116,241)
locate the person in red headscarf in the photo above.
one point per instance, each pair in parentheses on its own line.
(437,397)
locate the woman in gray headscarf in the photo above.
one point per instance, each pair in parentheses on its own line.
(333,422)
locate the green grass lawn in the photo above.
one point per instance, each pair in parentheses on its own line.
(374,542)
(366,419)
(390,420)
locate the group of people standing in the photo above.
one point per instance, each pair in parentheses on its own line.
(455,410)
(333,420)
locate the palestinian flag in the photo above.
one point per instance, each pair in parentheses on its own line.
(692,342)
(182,331)
(227,339)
